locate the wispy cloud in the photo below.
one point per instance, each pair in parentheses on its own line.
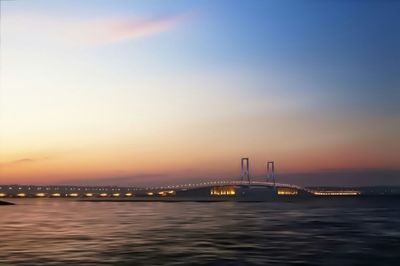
(94,31)
(22,161)
(18,162)
(115,30)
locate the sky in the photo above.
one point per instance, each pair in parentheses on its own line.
(137,92)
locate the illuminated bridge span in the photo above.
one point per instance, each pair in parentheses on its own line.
(220,183)
(23,191)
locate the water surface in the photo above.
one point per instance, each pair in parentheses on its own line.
(321,232)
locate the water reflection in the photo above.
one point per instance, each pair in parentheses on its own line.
(330,232)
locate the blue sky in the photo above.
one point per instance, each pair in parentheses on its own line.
(348,48)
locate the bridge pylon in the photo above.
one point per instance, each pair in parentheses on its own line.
(245,170)
(271,172)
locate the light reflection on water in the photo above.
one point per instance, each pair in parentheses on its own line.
(329,232)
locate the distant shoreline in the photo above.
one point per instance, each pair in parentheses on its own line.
(6,203)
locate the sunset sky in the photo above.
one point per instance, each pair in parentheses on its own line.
(162,91)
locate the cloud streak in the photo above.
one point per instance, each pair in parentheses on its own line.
(22,161)
(94,31)
(116,30)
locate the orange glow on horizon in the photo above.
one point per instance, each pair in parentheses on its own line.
(97,166)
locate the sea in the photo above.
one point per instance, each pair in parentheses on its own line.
(326,231)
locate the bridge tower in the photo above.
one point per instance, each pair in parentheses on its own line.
(271,171)
(245,172)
